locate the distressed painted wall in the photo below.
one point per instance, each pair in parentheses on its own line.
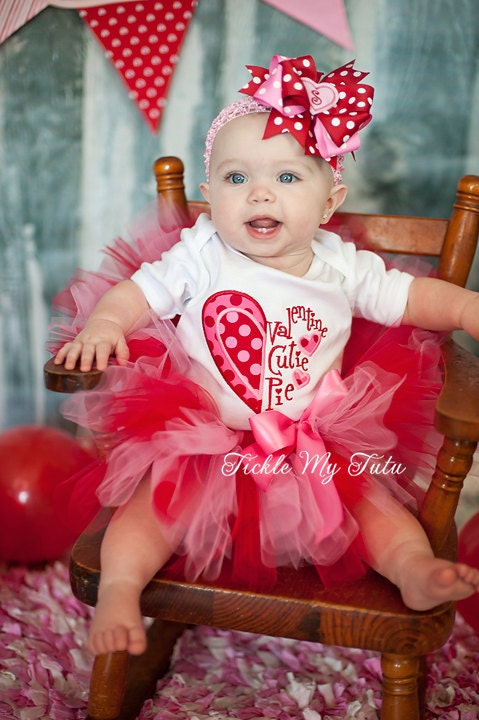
(75,155)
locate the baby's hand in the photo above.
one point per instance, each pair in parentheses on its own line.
(98,340)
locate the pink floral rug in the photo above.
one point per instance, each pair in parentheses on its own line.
(44,667)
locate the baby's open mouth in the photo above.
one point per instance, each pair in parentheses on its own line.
(264,224)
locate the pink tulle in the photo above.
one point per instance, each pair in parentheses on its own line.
(147,417)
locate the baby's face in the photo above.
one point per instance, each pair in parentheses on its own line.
(267,197)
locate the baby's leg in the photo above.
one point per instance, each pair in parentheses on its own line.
(133,550)
(399,549)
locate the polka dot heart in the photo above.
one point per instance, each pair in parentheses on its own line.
(143,41)
(235,330)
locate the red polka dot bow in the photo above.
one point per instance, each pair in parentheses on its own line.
(323,112)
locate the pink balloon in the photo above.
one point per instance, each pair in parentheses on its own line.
(36,522)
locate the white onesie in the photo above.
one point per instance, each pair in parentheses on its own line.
(259,338)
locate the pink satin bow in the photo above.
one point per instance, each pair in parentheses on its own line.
(323,112)
(277,436)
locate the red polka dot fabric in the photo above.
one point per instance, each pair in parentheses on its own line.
(323,112)
(143,41)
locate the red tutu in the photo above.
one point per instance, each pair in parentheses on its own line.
(282,494)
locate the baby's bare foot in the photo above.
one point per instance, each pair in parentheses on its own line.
(430,581)
(117,623)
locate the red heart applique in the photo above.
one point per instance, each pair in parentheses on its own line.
(301,378)
(310,343)
(235,330)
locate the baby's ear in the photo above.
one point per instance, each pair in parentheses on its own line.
(338,196)
(205,191)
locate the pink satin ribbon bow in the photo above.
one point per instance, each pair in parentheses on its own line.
(323,112)
(277,436)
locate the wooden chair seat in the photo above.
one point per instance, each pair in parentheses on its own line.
(367,613)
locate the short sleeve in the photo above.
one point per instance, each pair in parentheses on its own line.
(171,282)
(379,294)
(374,292)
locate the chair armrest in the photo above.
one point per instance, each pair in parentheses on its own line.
(457,410)
(58,379)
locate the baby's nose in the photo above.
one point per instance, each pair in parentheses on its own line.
(261,192)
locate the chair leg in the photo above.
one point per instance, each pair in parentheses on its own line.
(422,685)
(107,686)
(400,687)
(121,683)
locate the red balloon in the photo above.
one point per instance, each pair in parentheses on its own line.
(468,552)
(35,523)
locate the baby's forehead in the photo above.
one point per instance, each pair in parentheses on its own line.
(250,126)
(241,135)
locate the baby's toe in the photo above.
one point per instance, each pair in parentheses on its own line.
(136,641)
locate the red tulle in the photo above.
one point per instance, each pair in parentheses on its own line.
(159,422)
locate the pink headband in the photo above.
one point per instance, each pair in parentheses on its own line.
(323,112)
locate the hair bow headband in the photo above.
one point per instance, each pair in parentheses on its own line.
(323,112)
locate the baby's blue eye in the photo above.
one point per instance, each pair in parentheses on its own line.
(236,178)
(287,177)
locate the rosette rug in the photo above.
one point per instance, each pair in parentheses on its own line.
(45,665)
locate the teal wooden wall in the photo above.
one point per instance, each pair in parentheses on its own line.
(76,156)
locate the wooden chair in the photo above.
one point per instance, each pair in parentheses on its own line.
(365,614)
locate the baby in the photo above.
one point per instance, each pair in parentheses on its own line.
(266,299)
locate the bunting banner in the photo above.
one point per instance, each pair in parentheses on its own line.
(327,17)
(143,38)
(14,14)
(143,42)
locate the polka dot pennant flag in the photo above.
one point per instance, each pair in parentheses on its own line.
(143,42)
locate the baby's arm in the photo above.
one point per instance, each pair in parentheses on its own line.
(439,305)
(115,314)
